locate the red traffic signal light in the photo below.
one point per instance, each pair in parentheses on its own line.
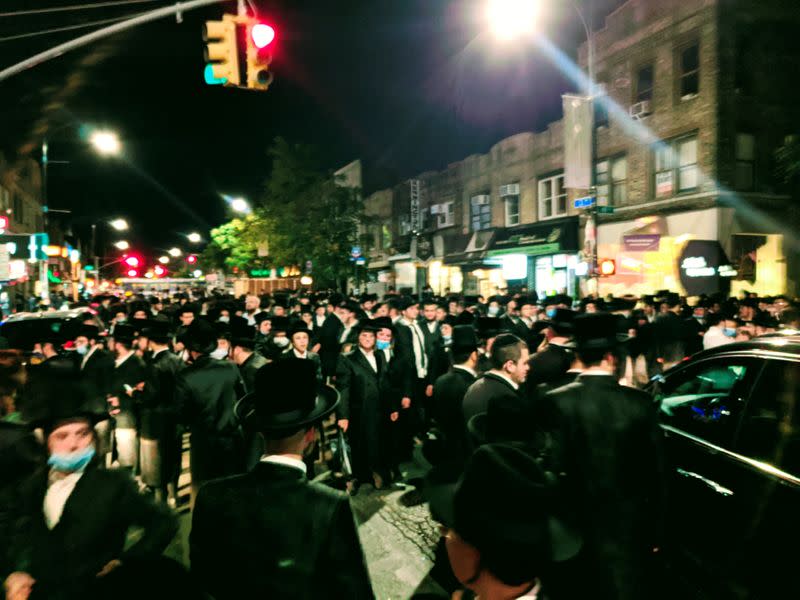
(191,259)
(607,267)
(133,273)
(262,35)
(3,222)
(132,261)
(159,271)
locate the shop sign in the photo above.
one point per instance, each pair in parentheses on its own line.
(664,183)
(642,242)
(704,268)
(416,223)
(537,239)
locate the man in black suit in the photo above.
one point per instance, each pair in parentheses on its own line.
(364,411)
(671,334)
(125,395)
(606,440)
(329,345)
(554,361)
(434,343)
(206,393)
(160,436)
(501,384)
(271,533)
(512,321)
(449,391)
(300,339)
(249,362)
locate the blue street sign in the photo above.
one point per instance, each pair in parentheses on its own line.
(584,202)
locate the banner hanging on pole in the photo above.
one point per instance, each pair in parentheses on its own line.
(578,123)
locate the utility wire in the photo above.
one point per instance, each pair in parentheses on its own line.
(42,11)
(67,28)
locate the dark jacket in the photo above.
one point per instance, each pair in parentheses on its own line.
(206,393)
(549,365)
(607,443)
(272,534)
(247,370)
(132,372)
(159,413)
(404,353)
(434,350)
(516,326)
(312,356)
(99,370)
(670,333)
(448,398)
(479,394)
(330,346)
(92,531)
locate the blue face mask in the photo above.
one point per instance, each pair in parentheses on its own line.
(382,344)
(729,332)
(551,312)
(82,350)
(493,310)
(74,461)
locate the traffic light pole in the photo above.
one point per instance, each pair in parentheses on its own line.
(85,40)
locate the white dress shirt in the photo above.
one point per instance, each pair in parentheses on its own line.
(370,356)
(286,461)
(88,355)
(56,497)
(420,359)
(119,361)
(300,355)
(715,337)
(432,325)
(320,320)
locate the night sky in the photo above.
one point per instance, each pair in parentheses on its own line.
(407,85)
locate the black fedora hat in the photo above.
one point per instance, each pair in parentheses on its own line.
(383,323)
(464,339)
(243,335)
(158,331)
(123,332)
(596,331)
(562,321)
(90,332)
(200,337)
(287,398)
(298,326)
(280,324)
(54,399)
(504,500)
(488,327)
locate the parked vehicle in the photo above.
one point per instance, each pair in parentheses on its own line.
(22,330)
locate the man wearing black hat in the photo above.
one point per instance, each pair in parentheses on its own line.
(509,369)
(270,533)
(243,354)
(670,334)
(160,436)
(330,338)
(503,528)
(96,364)
(300,338)
(554,361)
(206,392)
(450,389)
(606,440)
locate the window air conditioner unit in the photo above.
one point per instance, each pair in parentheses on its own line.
(436,209)
(640,109)
(482,200)
(512,189)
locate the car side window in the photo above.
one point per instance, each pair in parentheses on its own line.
(770,428)
(706,399)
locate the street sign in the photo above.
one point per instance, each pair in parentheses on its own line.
(605,210)
(584,202)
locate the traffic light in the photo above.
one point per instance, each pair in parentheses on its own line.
(133,273)
(191,259)
(221,52)
(259,38)
(607,267)
(132,261)
(159,271)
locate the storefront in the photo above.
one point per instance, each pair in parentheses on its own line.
(464,268)
(691,252)
(543,256)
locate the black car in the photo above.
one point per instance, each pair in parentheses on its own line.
(731,420)
(22,330)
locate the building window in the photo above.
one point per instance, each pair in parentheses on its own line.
(480,210)
(644,84)
(445,214)
(509,195)
(745,161)
(405,225)
(552,197)
(386,236)
(676,169)
(611,178)
(690,71)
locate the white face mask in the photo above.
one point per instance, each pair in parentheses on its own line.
(281,342)
(220,353)
(224,319)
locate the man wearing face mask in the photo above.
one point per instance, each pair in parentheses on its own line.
(223,348)
(279,340)
(75,518)
(721,331)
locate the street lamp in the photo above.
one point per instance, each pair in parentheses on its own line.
(122,245)
(119,224)
(106,142)
(511,19)
(195,238)
(240,205)
(163,259)
(174,252)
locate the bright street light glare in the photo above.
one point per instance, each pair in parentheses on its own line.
(119,224)
(240,205)
(163,259)
(174,252)
(511,19)
(106,142)
(197,273)
(122,245)
(195,238)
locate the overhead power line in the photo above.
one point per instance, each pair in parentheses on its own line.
(67,28)
(55,9)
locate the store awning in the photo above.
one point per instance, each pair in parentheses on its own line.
(475,248)
(550,237)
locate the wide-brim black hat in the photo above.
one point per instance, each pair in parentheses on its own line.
(596,331)
(124,332)
(562,322)
(503,498)
(287,397)
(200,337)
(464,339)
(243,335)
(54,399)
(158,331)
(488,327)
(297,327)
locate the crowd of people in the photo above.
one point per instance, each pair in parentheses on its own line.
(547,471)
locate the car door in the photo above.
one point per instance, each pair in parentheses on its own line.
(700,408)
(768,485)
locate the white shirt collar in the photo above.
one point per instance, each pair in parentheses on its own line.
(286,461)
(56,497)
(88,355)
(467,369)
(505,377)
(299,355)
